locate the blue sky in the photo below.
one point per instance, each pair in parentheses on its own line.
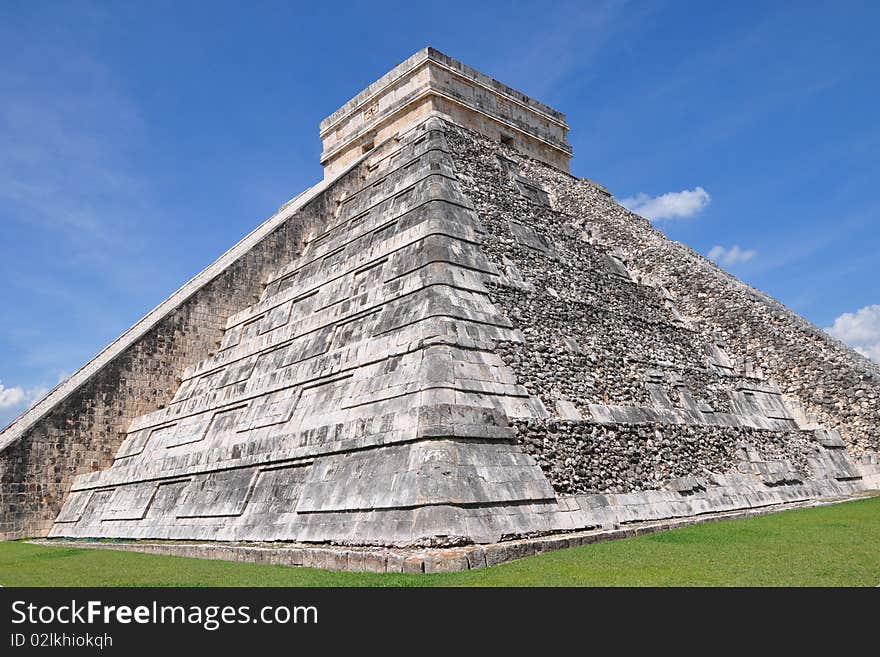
(138,141)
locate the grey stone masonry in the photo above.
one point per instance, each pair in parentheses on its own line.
(360,400)
(451,342)
(80,424)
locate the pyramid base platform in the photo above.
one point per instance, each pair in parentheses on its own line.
(426,560)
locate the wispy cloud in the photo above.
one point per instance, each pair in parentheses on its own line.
(67,136)
(558,44)
(74,195)
(18,397)
(860,330)
(734,255)
(672,205)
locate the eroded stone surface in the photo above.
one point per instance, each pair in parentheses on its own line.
(360,400)
(650,356)
(451,344)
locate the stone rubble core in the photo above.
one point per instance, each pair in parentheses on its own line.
(449,342)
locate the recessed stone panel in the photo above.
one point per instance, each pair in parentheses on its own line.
(130,502)
(276,408)
(187,430)
(218,494)
(74,506)
(134,443)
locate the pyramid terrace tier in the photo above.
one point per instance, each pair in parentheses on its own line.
(369,359)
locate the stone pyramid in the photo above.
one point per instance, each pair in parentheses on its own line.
(449,340)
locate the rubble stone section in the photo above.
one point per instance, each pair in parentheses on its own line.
(819,376)
(644,394)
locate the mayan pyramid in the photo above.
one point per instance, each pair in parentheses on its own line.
(449,340)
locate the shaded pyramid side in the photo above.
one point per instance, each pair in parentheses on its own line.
(643,394)
(360,400)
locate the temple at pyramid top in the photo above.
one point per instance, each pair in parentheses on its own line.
(431,82)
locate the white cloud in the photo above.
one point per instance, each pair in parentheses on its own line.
(10,396)
(735,255)
(860,330)
(17,396)
(672,205)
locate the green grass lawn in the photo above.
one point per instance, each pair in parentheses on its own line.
(836,545)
